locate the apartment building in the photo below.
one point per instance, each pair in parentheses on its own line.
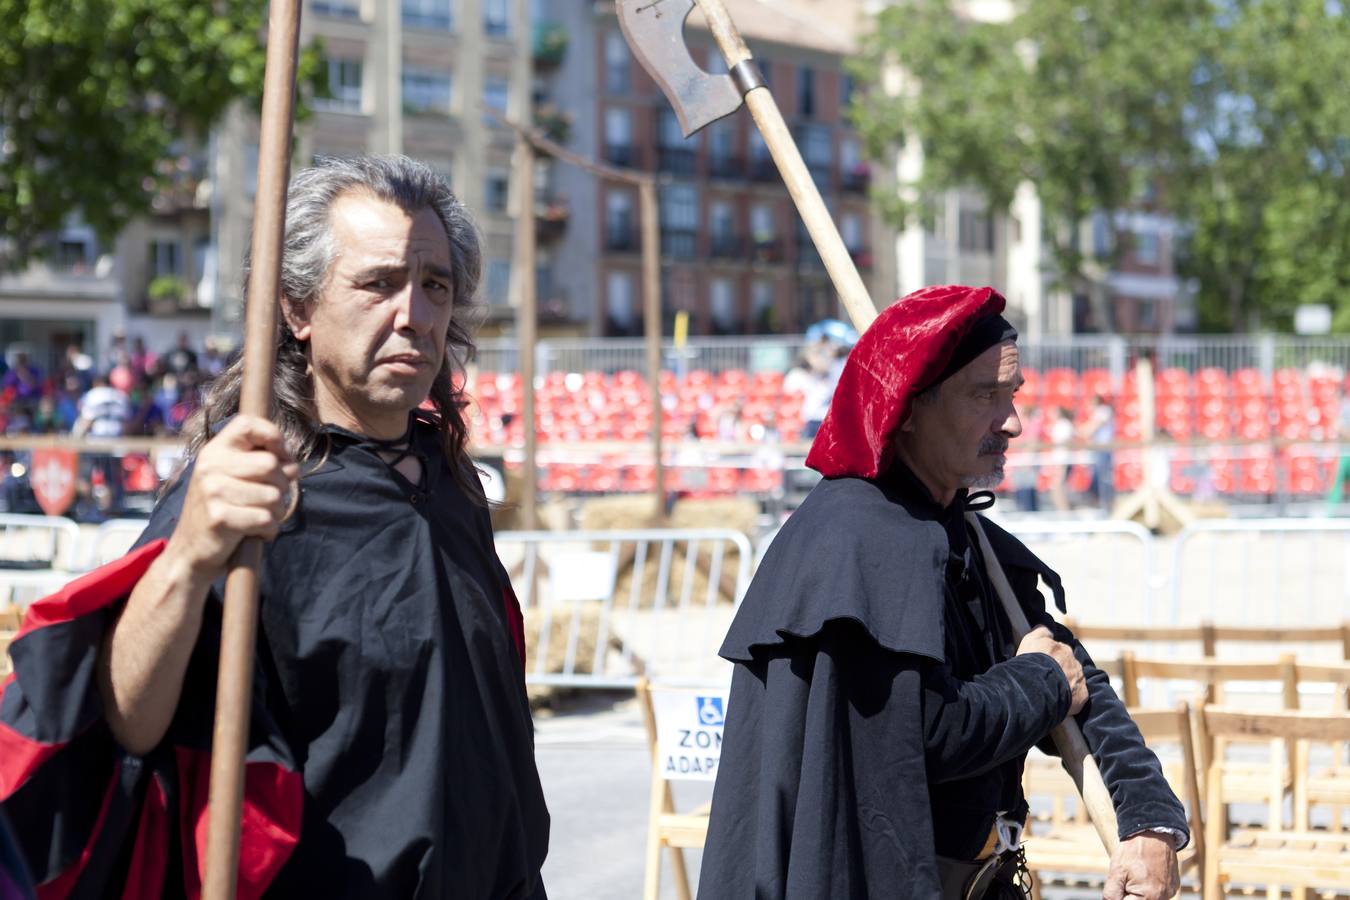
(735,256)
(405,76)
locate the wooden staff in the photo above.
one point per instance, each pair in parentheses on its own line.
(234,684)
(1068,736)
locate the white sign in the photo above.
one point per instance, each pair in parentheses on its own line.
(689,732)
(1312,318)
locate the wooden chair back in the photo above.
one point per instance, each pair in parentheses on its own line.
(1285,850)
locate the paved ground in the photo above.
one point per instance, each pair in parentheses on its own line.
(594,765)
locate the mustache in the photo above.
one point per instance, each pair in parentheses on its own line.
(991,445)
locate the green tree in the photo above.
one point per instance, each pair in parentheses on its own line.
(1230,115)
(95,93)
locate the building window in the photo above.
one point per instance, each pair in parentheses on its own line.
(344,86)
(722,305)
(761,223)
(668,131)
(721,144)
(817,149)
(846,88)
(975,232)
(496,18)
(426,90)
(617,71)
(498,187)
(74,252)
(619,136)
(495,92)
(679,220)
(165,259)
(619,303)
(1146,248)
(432,14)
(620,234)
(722,221)
(497,282)
(850,230)
(806,92)
(338,9)
(1101,236)
(762,306)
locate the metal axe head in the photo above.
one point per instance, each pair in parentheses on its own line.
(655,32)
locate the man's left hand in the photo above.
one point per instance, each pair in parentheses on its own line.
(1143,866)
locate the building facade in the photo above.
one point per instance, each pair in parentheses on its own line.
(735,256)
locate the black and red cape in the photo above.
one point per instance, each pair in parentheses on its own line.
(391,746)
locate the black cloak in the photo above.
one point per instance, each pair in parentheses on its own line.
(832,739)
(391,747)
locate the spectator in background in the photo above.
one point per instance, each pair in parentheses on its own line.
(141,360)
(182,358)
(213,357)
(103,411)
(145,416)
(1061,436)
(23,381)
(80,365)
(1022,471)
(1342,435)
(1099,429)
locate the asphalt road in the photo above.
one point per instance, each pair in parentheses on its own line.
(596,773)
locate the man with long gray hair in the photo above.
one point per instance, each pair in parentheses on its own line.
(391,749)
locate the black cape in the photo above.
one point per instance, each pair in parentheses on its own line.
(389,704)
(823,787)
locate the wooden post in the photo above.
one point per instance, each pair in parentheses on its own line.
(651,318)
(234,682)
(527,325)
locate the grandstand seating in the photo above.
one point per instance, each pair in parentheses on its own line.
(1207,405)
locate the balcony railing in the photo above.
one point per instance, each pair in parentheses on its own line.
(858,179)
(621,154)
(679,243)
(763,170)
(621,239)
(550,218)
(727,246)
(676,160)
(726,167)
(767,250)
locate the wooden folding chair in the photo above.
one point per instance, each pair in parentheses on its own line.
(1207,637)
(667,828)
(1061,842)
(1283,851)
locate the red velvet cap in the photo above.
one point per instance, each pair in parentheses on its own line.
(902,353)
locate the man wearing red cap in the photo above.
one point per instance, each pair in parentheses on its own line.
(880,710)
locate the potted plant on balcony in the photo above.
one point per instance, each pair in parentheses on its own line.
(166,292)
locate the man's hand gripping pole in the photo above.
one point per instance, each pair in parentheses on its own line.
(655,32)
(234,682)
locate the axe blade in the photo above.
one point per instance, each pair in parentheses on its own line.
(654,30)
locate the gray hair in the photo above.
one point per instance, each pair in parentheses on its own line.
(308,253)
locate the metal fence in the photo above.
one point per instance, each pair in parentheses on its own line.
(1276,572)
(605,607)
(1113,353)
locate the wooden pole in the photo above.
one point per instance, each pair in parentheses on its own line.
(234,684)
(527,325)
(651,317)
(1068,737)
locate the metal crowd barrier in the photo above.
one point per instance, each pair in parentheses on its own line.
(603,608)
(38,554)
(1262,571)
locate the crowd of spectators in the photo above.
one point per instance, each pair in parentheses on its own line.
(136,392)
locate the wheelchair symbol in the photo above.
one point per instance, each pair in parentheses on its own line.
(710,710)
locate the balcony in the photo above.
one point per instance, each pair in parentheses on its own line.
(428,21)
(676,160)
(549,45)
(767,250)
(732,167)
(621,239)
(727,246)
(550,218)
(764,169)
(679,243)
(858,179)
(621,155)
(553,122)
(808,257)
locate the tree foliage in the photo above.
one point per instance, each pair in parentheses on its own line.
(94,94)
(1230,115)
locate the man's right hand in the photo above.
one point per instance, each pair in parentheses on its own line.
(241,487)
(1039,640)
